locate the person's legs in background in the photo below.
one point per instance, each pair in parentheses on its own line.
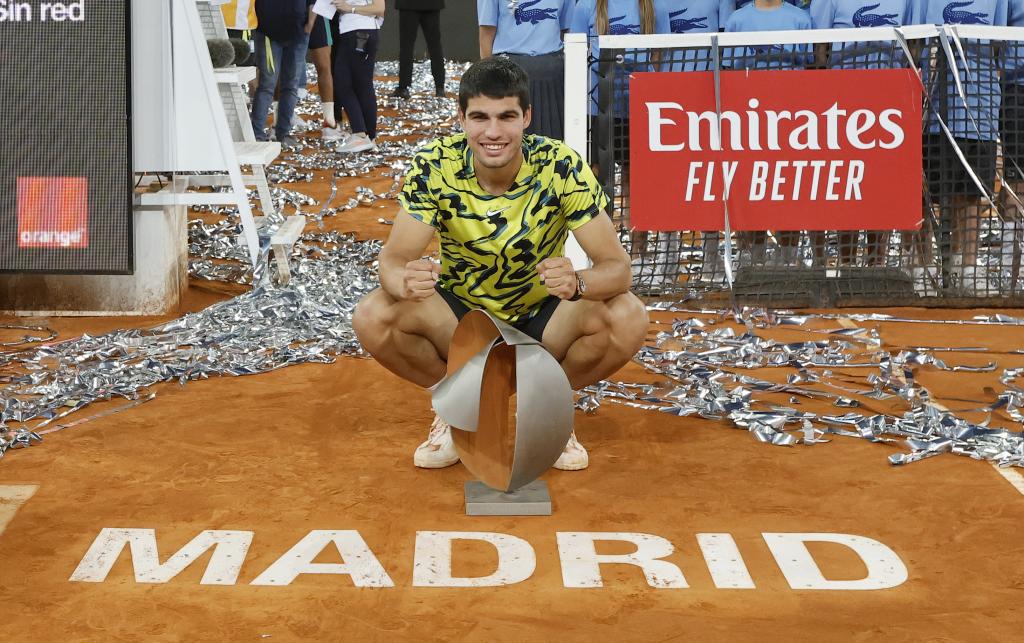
(431,23)
(293,63)
(339,113)
(408,24)
(320,40)
(363,82)
(268,60)
(353,78)
(331,131)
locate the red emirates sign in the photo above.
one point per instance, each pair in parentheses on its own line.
(797,150)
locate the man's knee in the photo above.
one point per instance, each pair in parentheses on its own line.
(372,318)
(627,318)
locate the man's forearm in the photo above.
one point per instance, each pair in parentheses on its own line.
(605,280)
(391,274)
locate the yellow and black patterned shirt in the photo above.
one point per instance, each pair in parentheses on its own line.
(491,245)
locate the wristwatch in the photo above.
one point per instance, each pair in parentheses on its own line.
(581,288)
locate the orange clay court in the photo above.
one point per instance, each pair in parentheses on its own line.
(318,527)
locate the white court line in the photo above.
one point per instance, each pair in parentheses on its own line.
(12,497)
(1012,476)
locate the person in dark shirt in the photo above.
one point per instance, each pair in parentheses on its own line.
(412,15)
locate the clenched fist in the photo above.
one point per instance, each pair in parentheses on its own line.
(419,278)
(558,276)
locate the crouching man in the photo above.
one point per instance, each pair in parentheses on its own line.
(502,204)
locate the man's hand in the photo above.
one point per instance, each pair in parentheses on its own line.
(558,276)
(344,6)
(419,279)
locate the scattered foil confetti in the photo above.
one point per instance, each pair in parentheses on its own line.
(704,365)
(264,329)
(310,321)
(43,334)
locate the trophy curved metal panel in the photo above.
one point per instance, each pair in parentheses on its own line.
(513,336)
(475,330)
(488,452)
(488,362)
(544,412)
(457,398)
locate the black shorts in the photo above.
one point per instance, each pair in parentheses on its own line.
(946,175)
(534,326)
(321,35)
(617,149)
(1011,130)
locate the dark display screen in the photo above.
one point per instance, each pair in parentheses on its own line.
(65,153)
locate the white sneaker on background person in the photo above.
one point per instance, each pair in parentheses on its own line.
(926,280)
(332,134)
(974,280)
(357,142)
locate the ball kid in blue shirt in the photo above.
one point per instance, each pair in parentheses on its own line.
(856,14)
(695,16)
(768,15)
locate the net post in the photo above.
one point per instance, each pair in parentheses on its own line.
(576,93)
(577,78)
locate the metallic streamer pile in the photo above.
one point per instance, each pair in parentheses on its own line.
(264,329)
(705,370)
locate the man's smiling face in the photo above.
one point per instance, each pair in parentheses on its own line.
(494,128)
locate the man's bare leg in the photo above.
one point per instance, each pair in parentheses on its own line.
(593,339)
(590,339)
(409,338)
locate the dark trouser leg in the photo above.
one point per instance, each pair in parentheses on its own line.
(362,83)
(346,60)
(293,64)
(431,22)
(408,23)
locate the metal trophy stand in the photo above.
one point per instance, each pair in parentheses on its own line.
(532,499)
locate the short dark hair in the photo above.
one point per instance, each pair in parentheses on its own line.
(494,77)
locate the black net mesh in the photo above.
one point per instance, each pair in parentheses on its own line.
(967,251)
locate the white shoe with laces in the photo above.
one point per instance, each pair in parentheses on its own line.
(332,134)
(574,457)
(974,281)
(358,142)
(926,280)
(438,451)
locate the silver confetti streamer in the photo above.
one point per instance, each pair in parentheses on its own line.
(703,366)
